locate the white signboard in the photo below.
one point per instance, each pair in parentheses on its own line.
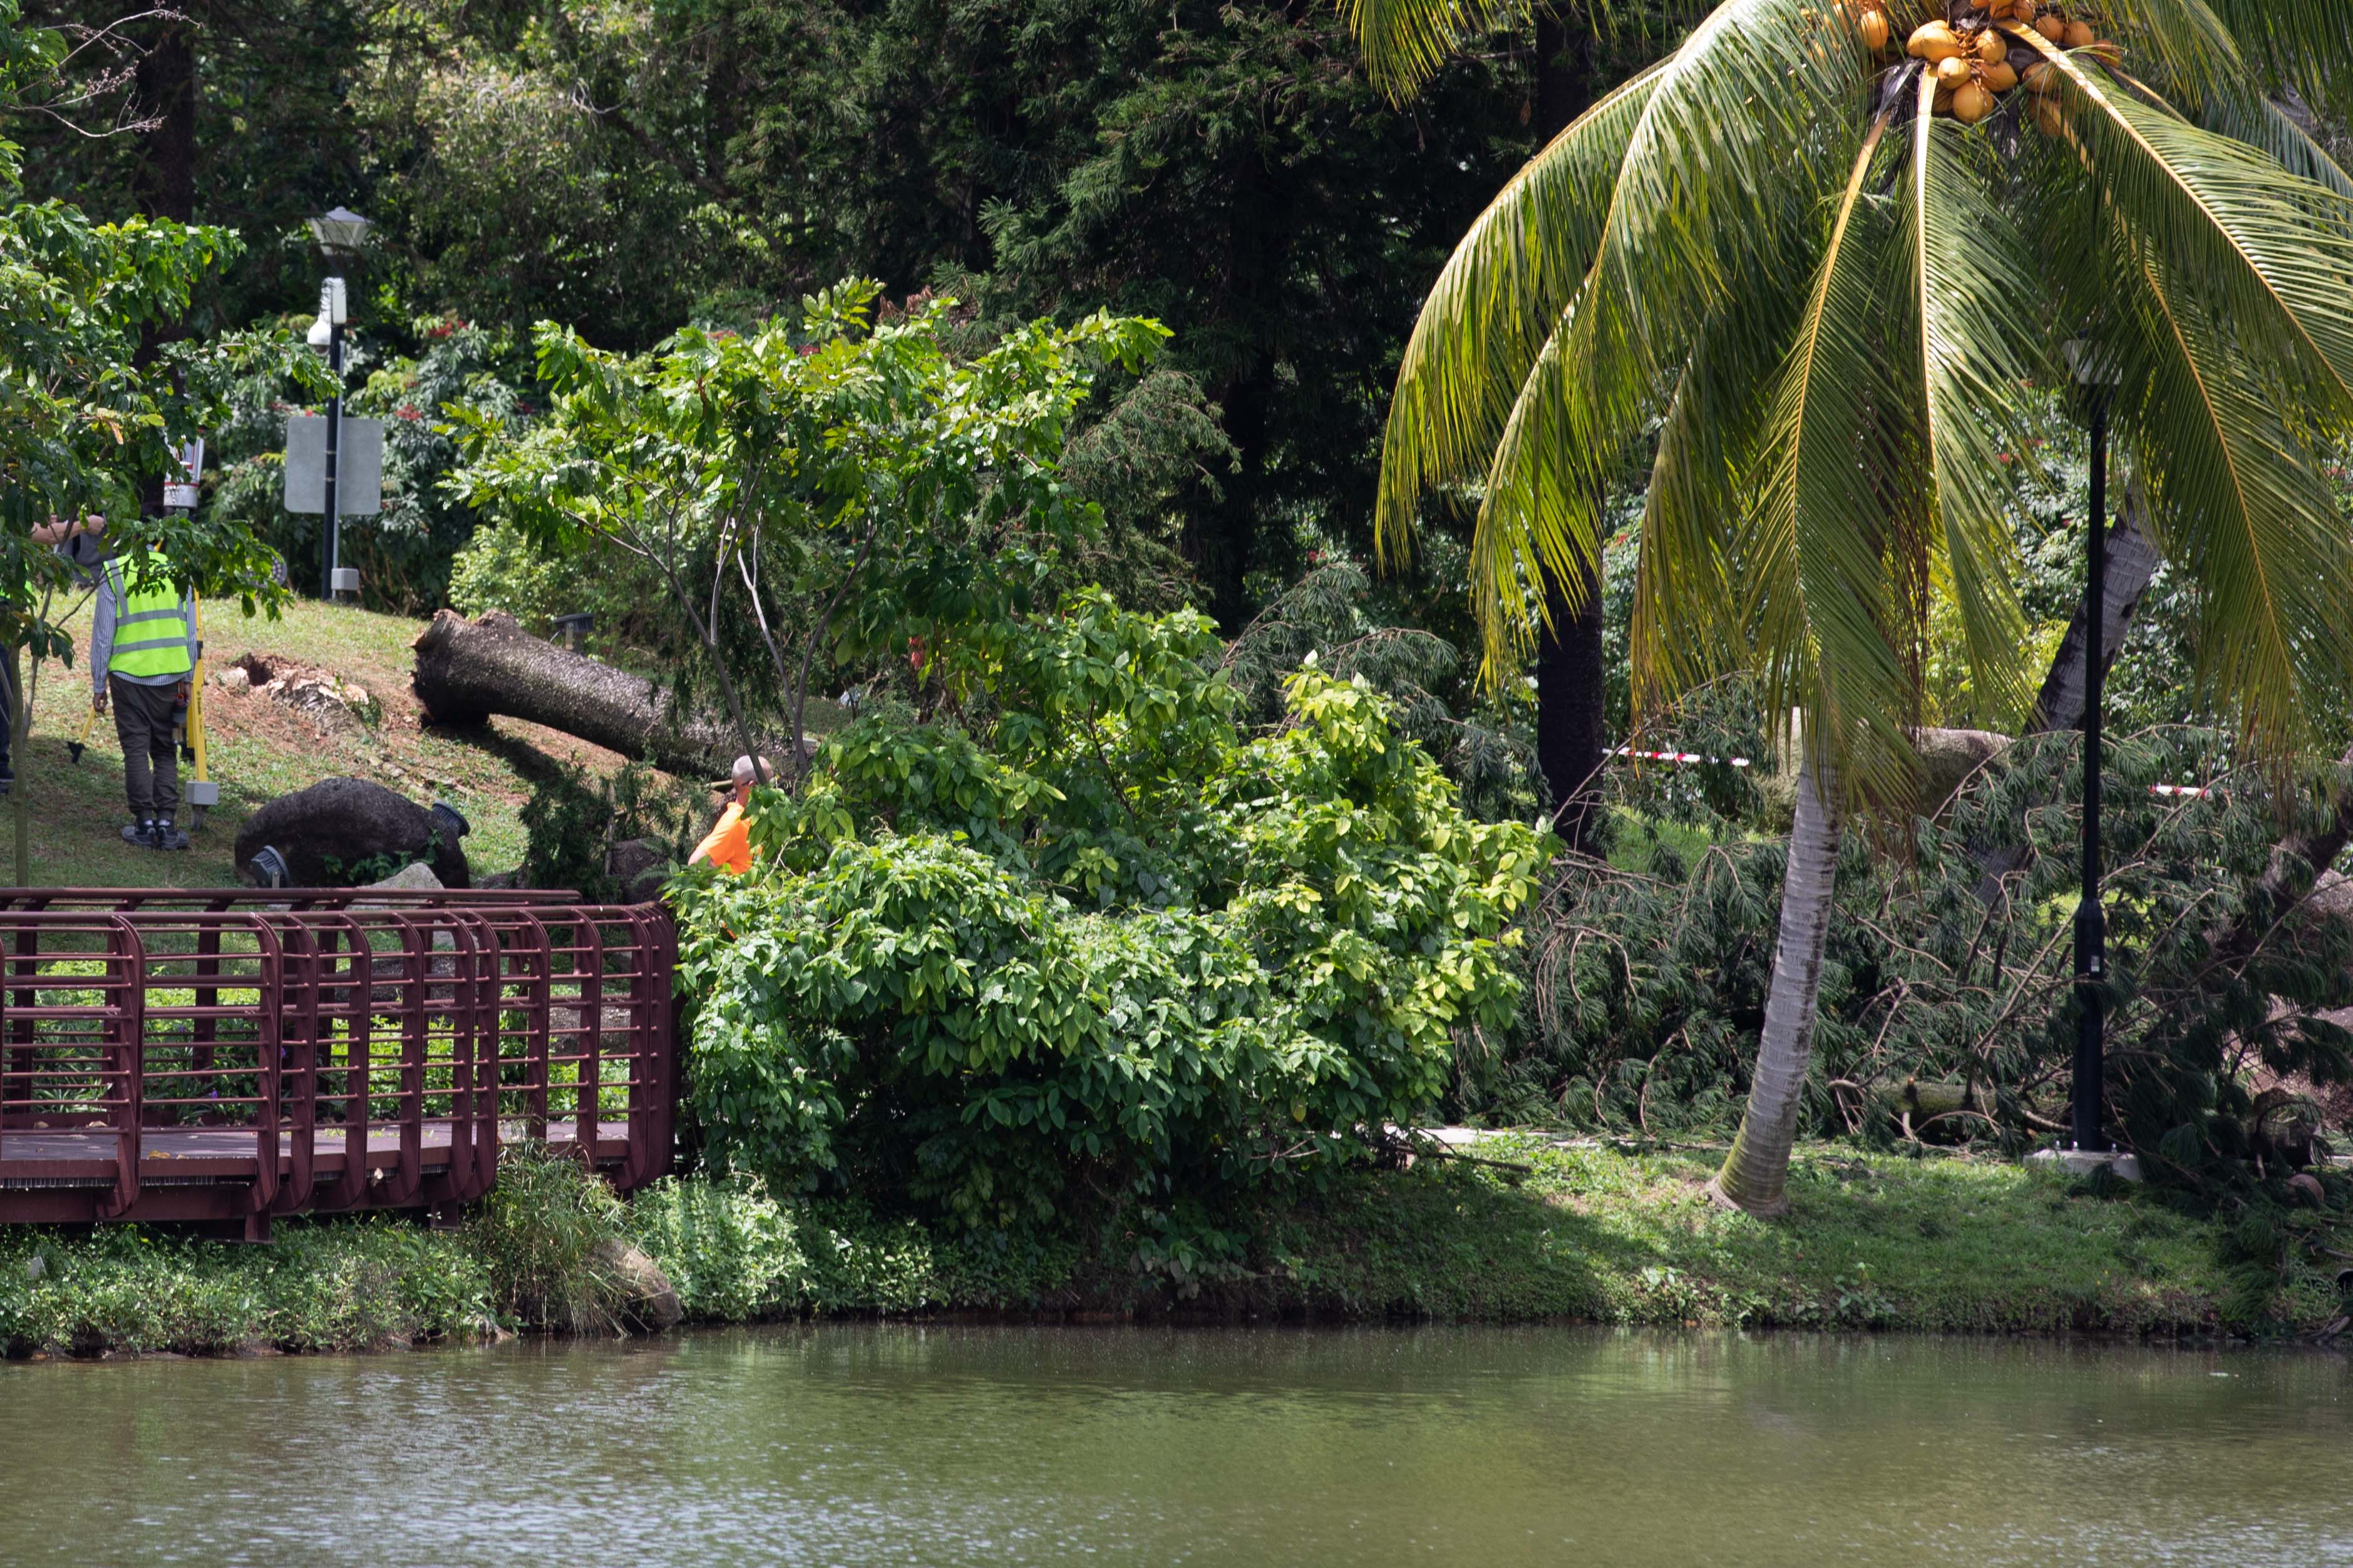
(359,466)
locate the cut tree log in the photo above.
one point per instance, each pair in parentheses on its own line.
(324,833)
(468,670)
(2132,562)
(2132,565)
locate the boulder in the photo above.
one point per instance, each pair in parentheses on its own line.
(417,878)
(648,1297)
(349,821)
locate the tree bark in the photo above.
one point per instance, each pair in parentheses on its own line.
(1755,1173)
(2294,873)
(165,78)
(2132,562)
(468,670)
(1571,731)
(1571,690)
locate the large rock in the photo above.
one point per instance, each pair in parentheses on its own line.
(648,1297)
(351,822)
(415,877)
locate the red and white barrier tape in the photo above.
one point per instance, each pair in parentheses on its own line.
(2193,790)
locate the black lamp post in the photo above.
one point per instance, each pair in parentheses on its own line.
(2096,375)
(339,233)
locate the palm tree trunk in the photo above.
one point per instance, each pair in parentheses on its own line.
(1571,701)
(1572,692)
(1756,1172)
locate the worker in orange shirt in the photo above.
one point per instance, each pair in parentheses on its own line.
(728,846)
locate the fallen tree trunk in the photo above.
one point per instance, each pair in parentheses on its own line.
(2300,873)
(2132,562)
(468,670)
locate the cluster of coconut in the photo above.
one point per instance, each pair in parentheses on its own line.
(1976,63)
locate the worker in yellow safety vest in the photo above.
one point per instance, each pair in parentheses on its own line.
(142,652)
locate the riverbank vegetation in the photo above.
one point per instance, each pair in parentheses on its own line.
(1531,1232)
(1169,841)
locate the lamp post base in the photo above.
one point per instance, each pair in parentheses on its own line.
(2084,1162)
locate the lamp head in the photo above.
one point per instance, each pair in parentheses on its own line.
(2093,366)
(341,233)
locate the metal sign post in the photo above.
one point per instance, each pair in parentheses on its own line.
(331,544)
(2097,375)
(334,465)
(341,235)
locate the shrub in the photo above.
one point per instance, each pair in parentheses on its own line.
(544,1234)
(574,819)
(730,1250)
(1104,939)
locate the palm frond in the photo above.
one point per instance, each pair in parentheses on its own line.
(1965,256)
(2239,502)
(1829,623)
(1721,183)
(1686,625)
(1498,299)
(2303,46)
(2274,253)
(2262,124)
(1406,41)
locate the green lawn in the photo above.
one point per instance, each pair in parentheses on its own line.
(261,750)
(1943,1245)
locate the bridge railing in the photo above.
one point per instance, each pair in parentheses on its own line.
(219,1054)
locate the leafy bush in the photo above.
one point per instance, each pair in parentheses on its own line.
(574,817)
(335,1285)
(1103,938)
(731,1251)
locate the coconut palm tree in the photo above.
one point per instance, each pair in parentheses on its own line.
(1817,280)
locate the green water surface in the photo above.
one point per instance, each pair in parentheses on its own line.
(956,1444)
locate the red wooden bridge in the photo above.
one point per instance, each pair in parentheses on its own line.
(231,1055)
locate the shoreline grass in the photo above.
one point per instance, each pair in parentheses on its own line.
(1582,1234)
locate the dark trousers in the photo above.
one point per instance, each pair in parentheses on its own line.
(144,716)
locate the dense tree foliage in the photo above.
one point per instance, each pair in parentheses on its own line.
(626,167)
(1100,938)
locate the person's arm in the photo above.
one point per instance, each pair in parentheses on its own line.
(57,530)
(102,641)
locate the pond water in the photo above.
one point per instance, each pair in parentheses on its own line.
(956,1444)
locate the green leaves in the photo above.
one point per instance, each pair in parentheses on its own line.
(829,486)
(1825,352)
(1118,944)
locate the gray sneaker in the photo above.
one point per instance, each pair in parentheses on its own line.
(139,833)
(168,836)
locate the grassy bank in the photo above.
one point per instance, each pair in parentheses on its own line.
(1584,1234)
(1942,1246)
(261,750)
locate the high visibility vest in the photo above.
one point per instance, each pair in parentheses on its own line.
(151,625)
